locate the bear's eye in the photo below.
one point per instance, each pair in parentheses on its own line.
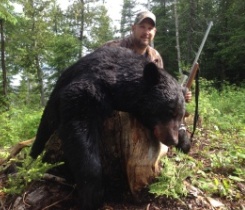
(175,113)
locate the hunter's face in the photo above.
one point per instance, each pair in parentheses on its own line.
(144,32)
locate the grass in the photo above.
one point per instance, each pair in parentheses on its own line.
(219,146)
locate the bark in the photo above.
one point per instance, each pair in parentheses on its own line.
(177,36)
(40,79)
(4,71)
(81,30)
(191,30)
(140,152)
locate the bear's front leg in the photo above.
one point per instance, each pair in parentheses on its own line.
(81,147)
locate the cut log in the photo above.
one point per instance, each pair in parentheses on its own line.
(139,151)
(129,153)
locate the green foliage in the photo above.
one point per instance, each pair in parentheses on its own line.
(127,16)
(170,182)
(230,162)
(222,109)
(223,54)
(29,170)
(4,153)
(18,124)
(226,170)
(221,163)
(101,31)
(223,116)
(215,185)
(6,12)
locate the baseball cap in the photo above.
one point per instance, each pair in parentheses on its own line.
(143,15)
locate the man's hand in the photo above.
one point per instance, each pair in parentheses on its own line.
(188,96)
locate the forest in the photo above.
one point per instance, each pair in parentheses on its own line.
(39,40)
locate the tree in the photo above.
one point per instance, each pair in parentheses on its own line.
(165,40)
(101,30)
(63,51)
(230,38)
(5,15)
(80,17)
(177,36)
(128,12)
(31,43)
(46,40)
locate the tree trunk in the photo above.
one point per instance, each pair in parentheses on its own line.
(191,30)
(4,71)
(138,152)
(40,80)
(81,30)
(177,36)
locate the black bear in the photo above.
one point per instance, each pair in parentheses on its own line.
(88,92)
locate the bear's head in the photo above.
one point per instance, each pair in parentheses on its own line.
(162,105)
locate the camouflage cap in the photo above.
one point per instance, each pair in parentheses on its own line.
(143,15)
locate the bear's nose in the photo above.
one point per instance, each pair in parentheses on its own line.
(166,134)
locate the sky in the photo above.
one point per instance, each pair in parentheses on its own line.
(114,8)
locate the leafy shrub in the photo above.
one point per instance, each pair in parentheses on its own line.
(18,124)
(29,171)
(221,110)
(170,182)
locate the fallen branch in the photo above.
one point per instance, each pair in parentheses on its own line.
(16,149)
(60,180)
(59,201)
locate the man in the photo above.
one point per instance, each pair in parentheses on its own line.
(139,41)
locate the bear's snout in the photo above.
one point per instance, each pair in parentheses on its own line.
(167,133)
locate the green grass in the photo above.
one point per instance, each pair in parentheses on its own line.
(220,165)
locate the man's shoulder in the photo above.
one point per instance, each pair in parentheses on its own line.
(153,51)
(113,43)
(155,56)
(123,42)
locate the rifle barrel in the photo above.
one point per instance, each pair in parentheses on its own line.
(203,42)
(195,66)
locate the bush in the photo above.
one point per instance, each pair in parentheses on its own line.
(18,124)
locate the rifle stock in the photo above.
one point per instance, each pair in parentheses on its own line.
(192,75)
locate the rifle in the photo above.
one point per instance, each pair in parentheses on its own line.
(184,142)
(187,81)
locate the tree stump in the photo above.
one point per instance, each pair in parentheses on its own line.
(130,154)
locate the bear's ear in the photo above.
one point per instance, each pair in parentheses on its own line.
(151,73)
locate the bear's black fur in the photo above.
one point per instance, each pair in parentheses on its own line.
(88,92)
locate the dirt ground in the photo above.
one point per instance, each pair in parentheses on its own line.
(48,195)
